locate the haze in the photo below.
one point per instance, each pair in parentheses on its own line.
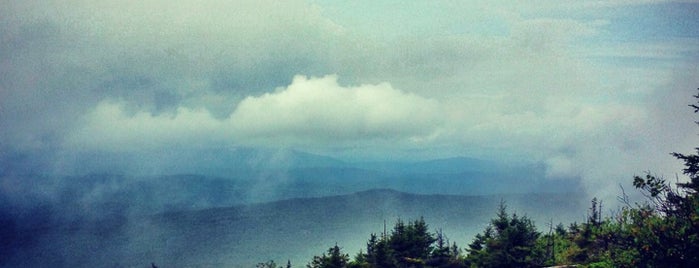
(583,92)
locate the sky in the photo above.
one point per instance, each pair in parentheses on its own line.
(591,89)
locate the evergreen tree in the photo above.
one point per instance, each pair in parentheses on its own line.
(456,259)
(334,259)
(511,244)
(441,254)
(477,254)
(378,253)
(410,244)
(269,264)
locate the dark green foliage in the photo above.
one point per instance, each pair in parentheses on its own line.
(510,241)
(561,230)
(378,253)
(334,259)
(410,244)
(443,254)
(272,264)
(268,264)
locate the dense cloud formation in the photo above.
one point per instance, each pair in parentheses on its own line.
(592,90)
(315,110)
(320,110)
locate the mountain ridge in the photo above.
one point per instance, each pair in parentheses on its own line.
(294,229)
(220,162)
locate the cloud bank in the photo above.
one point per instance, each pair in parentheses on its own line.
(592,90)
(307,112)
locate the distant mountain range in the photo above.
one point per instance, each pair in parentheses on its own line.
(213,206)
(243,235)
(233,162)
(140,184)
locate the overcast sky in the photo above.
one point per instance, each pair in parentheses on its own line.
(596,89)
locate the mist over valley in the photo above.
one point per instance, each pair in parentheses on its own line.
(230,133)
(288,204)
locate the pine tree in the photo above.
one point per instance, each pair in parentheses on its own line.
(269,264)
(441,254)
(509,241)
(334,259)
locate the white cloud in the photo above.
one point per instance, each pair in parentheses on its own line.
(320,110)
(110,127)
(309,112)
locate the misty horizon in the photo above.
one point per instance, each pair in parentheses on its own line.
(594,91)
(123,110)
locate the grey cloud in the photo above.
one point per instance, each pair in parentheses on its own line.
(42,95)
(85,75)
(58,65)
(309,112)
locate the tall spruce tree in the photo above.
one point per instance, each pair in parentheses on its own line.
(510,241)
(334,259)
